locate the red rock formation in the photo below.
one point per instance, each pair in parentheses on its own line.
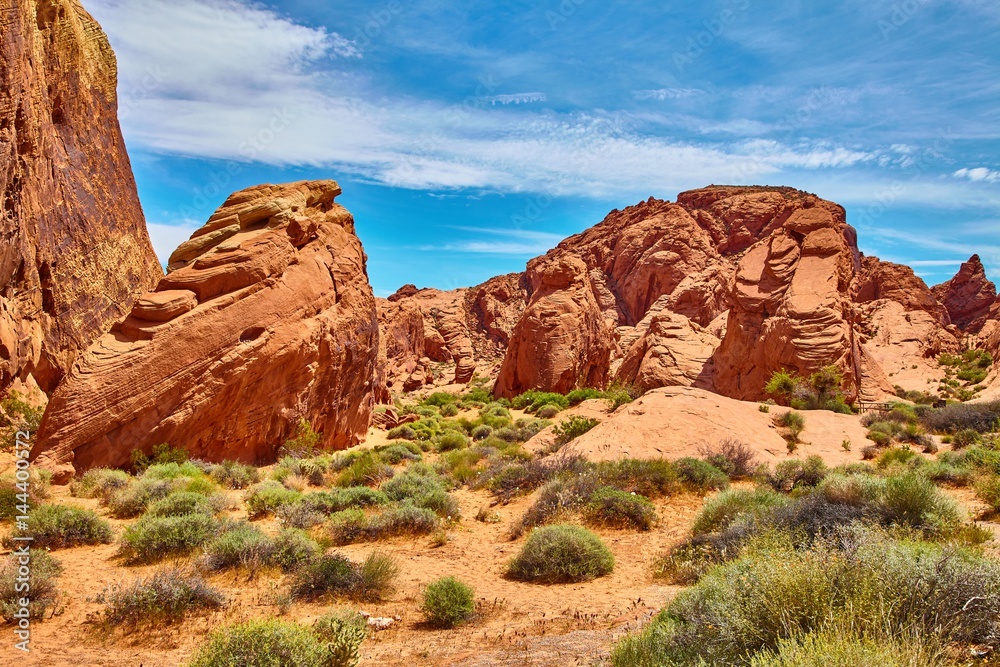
(75,251)
(968,296)
(791,305)
(273,324)
(432,336)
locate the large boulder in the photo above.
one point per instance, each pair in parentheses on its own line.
(968,296)
(271,325)
(75,251)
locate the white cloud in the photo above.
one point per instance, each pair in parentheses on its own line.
(979,175)
(663,94)
(166,238)
(516,98)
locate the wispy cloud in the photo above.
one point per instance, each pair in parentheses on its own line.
(663,94)
(979,175)
(516,98)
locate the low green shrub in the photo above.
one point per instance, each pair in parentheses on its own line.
(366,470)
(736,459)
(166,596)
(266,497)
(561,554)
(132,500)
(450,441)
(99,483)
(573,428)
(263,643)
(336,575)
(234,475)
(797,474)
(241,545)
(617,509)
(533,400)
(988,491)
(153,538)
(578,396)
(731,506)
(701,476)
(186,502)
(43,570)
(62,526)
(448,602)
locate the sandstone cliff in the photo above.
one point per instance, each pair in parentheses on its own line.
(270,323)
(74,251)
(968,296)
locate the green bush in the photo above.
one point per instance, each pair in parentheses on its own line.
(610,507)
(966,438)
(266,497)
(100,483)
(165,597)
(131,501)
(242,545)
(440,399)
(794,422)
(731,506)
(844,648)
(898,457)
(797,474)
(573,428)
(912,500)
(335,575)
(578,396)
(448,602)
(153,538)
(185,502)
(343,632)
(732,457)
(396,454)
(263,643)
(62,526)
(988,491)
(366,470)
(886,590)
(701,476)
(234,475)
(652,478)
(293,548)
(161,454)
(561,554)
(449,410)
(450,441)
(404,432)
(43,572)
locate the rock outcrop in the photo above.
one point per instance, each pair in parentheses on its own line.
(968,296)
(74,251)
(791,305)
(446,337)
(270,325)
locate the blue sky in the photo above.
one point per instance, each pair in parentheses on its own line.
(469,137)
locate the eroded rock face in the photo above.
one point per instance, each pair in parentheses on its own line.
(446,337)
(968,296)
(74,251)
(272,324)
(791,305)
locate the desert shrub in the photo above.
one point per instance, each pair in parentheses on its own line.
(263,643)
(242,545)
(732,457)
(440,399)
(563,494)
(266,497)
(161,454)
(131,501)
(42,575)
(22,416)
(165,596)
(449,410)
(966,438)
(61,526)
(420,486)
(404,432)
(844,648)
(365,470)
(450,440)
(561,554)
(12,495)
(881,440)
(185,502)
(618,396)
(153,538)
(797,474)
(396,454)
(794,423)
(234,475)
(898,457)
(820,391)
(610,507)
(482,432)
(884,589)
(506,479)
(701,476)
(980,417)
(988,491)
(293,548)
(403,519)
(335,575)
(448,602)
(100,483)
(532,400)
(942,472)
(578,396)
(573,428)
(652,478)
(728,507)
(343,632)
(912,500)
(548,411)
